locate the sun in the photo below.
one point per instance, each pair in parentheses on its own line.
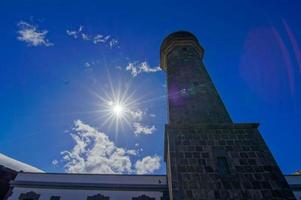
(116,103)
(115,107)
(118,109)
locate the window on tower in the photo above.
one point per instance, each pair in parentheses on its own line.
(222,165)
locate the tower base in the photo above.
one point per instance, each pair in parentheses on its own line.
(221,161)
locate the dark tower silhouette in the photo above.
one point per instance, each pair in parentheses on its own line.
(207,155)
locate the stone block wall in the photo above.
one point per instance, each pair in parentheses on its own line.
(228,161)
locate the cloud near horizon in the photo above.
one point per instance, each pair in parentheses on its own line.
(94,152)
(147,165)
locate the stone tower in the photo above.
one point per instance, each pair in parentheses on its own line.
(207,155)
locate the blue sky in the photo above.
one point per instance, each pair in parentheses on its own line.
(62,60)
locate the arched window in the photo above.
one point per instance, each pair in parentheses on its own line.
(55,198)
(98,197)
(29,196)
(143,197)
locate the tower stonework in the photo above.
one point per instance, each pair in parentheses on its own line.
(208,156)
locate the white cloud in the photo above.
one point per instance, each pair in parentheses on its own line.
(113,42)
(144,67)
(72,33)
(152,115)
(95,39)
(76,33)
(147,165)
(132,152)
(17,165)
(136,68)
(137,115)
(94,152)
(98,39)
(85,36)
(102,39)
(133,68)
(90,64)
(141,129)
(32,36)
(87,64)
(55,163)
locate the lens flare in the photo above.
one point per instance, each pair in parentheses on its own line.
(117,102)
(115,106)
(118,110)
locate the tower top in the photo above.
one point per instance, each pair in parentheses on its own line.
(179,38)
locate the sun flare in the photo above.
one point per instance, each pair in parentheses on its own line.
(118,109)
(115,107)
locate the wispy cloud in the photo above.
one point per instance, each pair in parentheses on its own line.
(132,152)
(95,39)
(137,114)
(94,152)
(75,34)
(142,129)
(147,165)
(136,68)
(55,163)
(32,36)
(87,64)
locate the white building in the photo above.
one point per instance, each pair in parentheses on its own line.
(60,186)
(55,186)
(295,184)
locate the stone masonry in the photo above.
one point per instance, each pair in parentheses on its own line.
(208,156)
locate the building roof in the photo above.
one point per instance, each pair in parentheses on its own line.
(91,181)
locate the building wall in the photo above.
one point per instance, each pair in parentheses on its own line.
(45,194)
(80,186)
(249,170)
(295,183)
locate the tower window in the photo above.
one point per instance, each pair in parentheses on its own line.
(222,166)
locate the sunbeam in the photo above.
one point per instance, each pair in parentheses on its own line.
(114,106)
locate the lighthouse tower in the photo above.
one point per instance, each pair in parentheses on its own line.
(207,155)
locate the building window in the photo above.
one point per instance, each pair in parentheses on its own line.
(55,198)
(29,196)
(143,197)
(222,166)
(98,197)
